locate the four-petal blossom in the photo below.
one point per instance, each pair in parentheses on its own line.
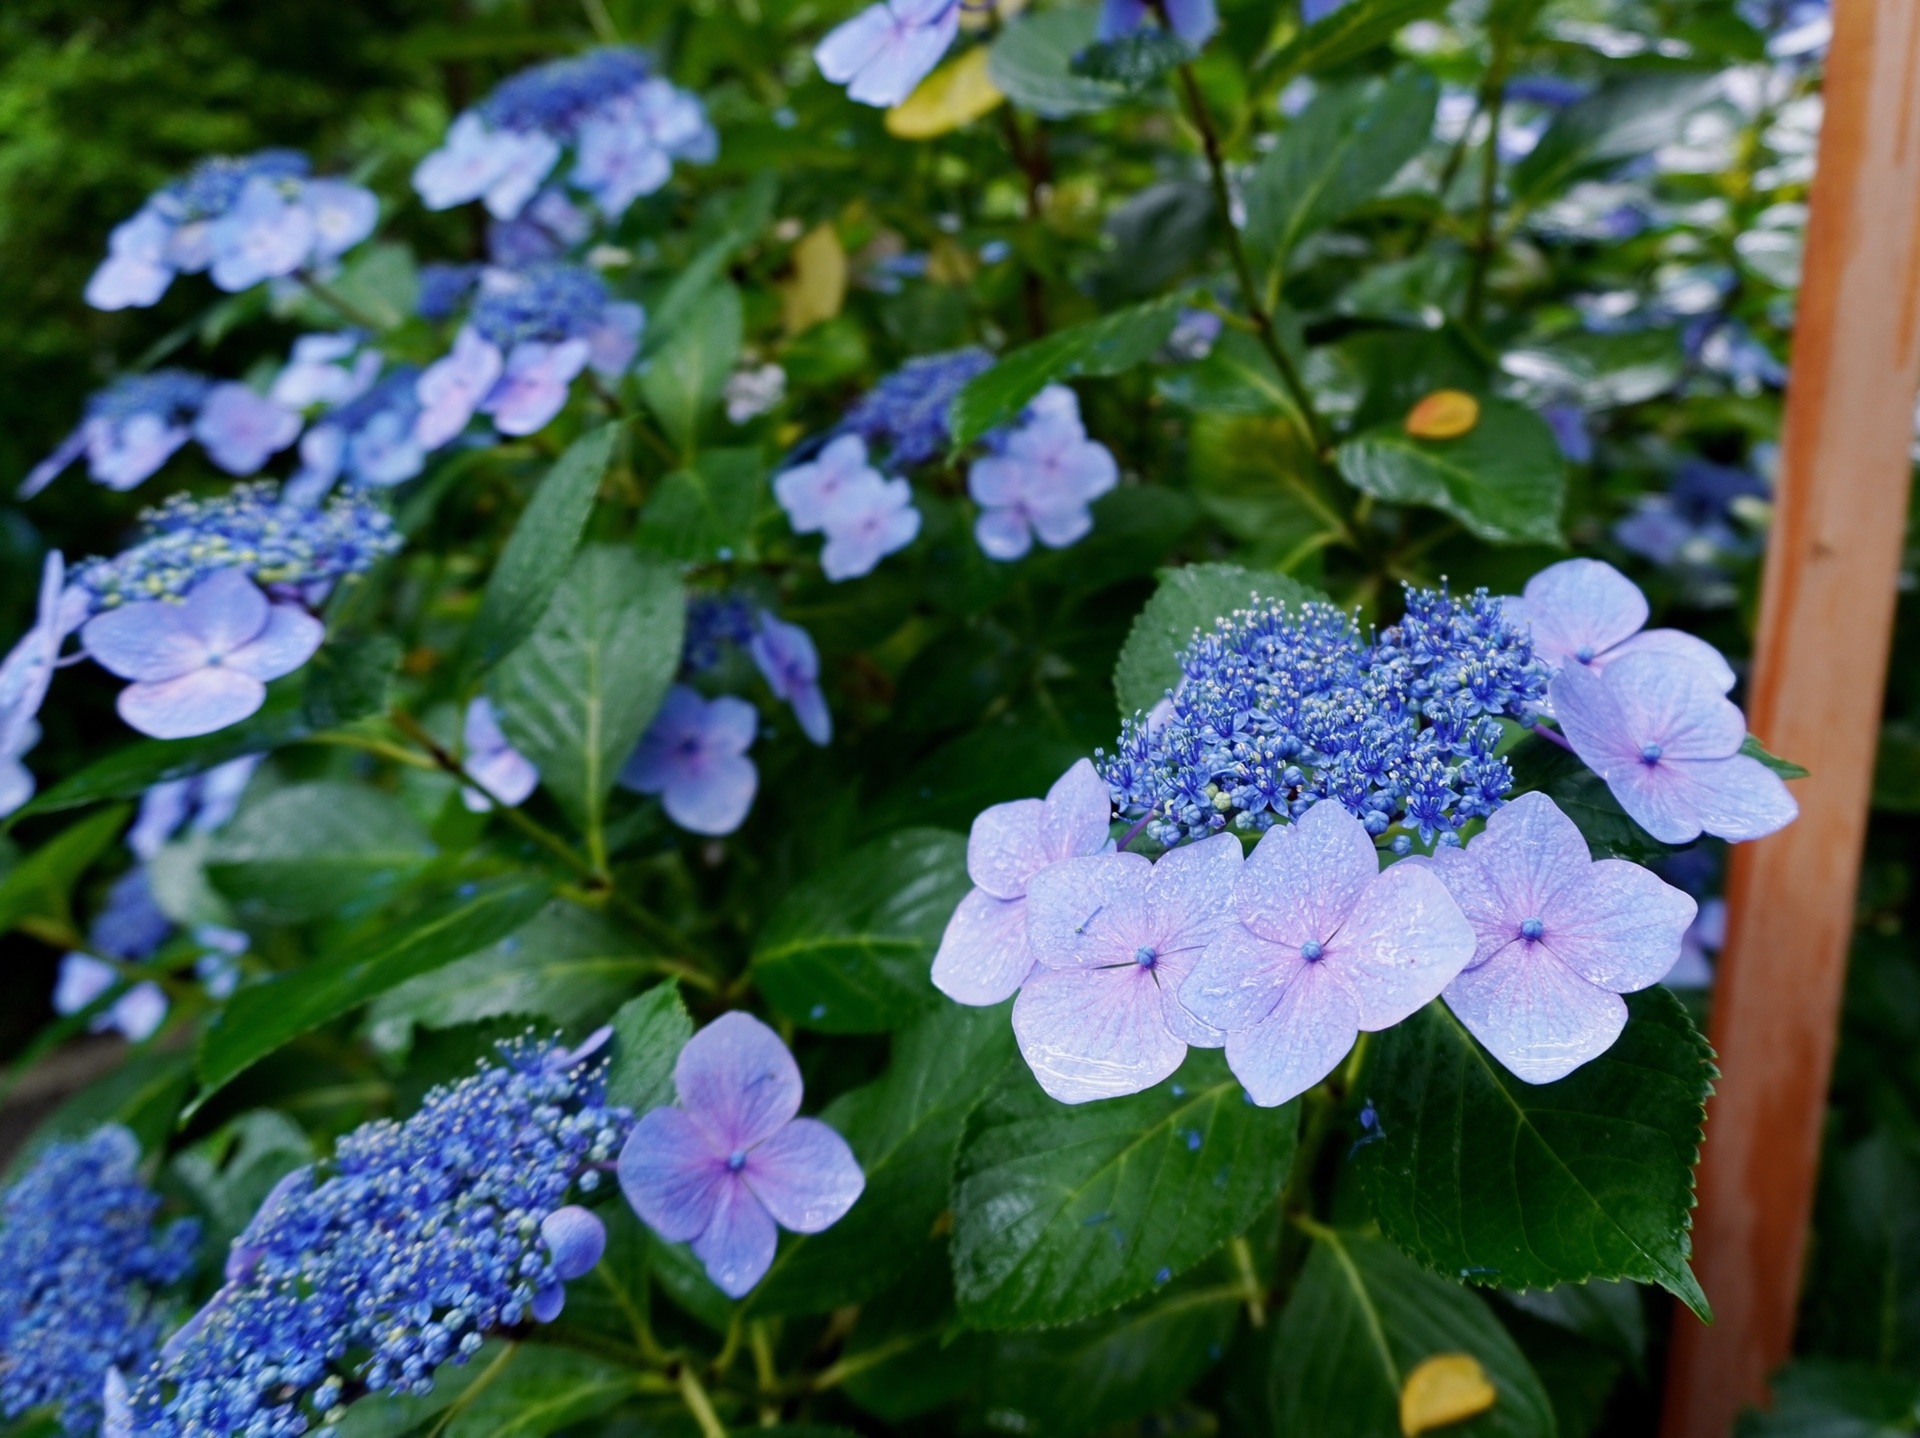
(694,756)
(886,50)
(1558,938)
(1325,945)
(732,1160)
(1115,937)
(1586,612)
(984,955)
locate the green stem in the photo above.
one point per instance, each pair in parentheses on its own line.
(1493,101)
(699,1404)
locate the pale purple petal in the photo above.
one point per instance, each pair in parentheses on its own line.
(1003,534)
(49,469)
(1238,979)
(905,58)
(548,1303)
(575,1238)
(1653,700)
(1119,18)
(81,980)
(451,388)
(1061,525)
(139,1012)
(616,339)
(1403,941)
(655,760)
(816,720)
(1580,608)
(1090,912)
(1192,20)
(194,704)
(1735,799)
(16,782)
(1534,1014)
(1620,930)
(1301,1041)
(672,1175)
(853,44)
(1674,644)
(811,492)
(857,542)
(738,1081)
(718,800)
(225,611)
(983,955)
(289,640)
(123,282)
(1095,1033)
(1079,810)
(343,215)
(1190,896)
(261,237)
(996,481)
(1529,855)
(122,456)
(805,1175)
(146,640)
(461,169)
(529,156)
(737,1247)
(1303,878)
(1007,846)
(533,386)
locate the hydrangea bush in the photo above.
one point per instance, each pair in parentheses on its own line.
(930,718)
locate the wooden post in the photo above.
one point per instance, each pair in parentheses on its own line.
(1826,621)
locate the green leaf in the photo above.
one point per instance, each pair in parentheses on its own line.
(390,1414)
(1187,602)
(1134,61)
(904,1128)
(1032,63)
(1602,370)
(1505,479)
(685,376)
(1237,377)
(259,1019)
(44,879)
(1785,768)
(648,1034)
(1819,1398)
(706,511)
(1346,34)
(541,1390)
(381,284)
(1337,154)
(1362,1317)
(1625,118)
(1061,1212)
(1516,1185)
(1896,769)
(231,1171)
(312,850)
(577,695)
(1583,797)
(568,966)
(541,547)
(849,950)
(1106,346)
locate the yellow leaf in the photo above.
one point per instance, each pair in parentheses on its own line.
(819,284)
(1448,1387)
(957,92)
(1444,414)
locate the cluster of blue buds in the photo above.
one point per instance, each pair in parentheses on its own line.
(424,1237)
(906,413)
(249,529)
(1280,707)
(81,1268)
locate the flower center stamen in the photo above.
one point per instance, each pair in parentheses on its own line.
(736,1160)
(1531,928)
(1311,950)
(1650,753)
(1145,957)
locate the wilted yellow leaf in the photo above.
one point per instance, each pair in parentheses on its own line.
(957,92)
(1448,1387)
(819,284)
(1444,414)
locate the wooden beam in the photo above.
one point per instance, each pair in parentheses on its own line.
(1826,622)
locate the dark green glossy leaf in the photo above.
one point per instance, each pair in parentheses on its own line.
(1627,117)
(685,376)
(849,950)
(540,550)
(260,1019)
(312,850)
(231,1171)
(1362,1317)
(44,879)
(1602,370)
(648,1034)
(1486,1178)
(541,1390)
(1349,32)
(706,511)
(1505,479)
(1061,1212)
(904,1128)
(1134,61)
(1818,1398)
(1187,602)
(1032,63)
(576,696)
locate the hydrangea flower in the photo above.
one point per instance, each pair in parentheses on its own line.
(1558,939)
(249,529)
(826,485)
(373,439)
(415,1243)
(1584,611)
(1324,946)
(906,413)
(83,1266)
(507,773)
(867,526)
(327,369)
(984,954)
(694,756)
(1039,480)
(241,430)
(1114,938)
(625,125)
(130,429)
(786,656)
(1665,738)
(200,664)
(883,53)
(1194,21)
(732,1160)
(1280,707)
(27,672)
(130,927)
(545,230)
(715,623)
(245,220)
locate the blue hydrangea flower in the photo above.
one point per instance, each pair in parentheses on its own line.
(1281,707)
(545,230)
(1693,525)
(244,220)
(1558,939)
(694,756)
(326,369)
(732,1160)
(27,672)
(869,525)
(1325,946)
(1194,21)
(241,430)
(1114,937)
(445,290)
(716,622)
(290,547)
(823,486)
(130,429)
(372,439)
(507,773)
(1039,479)
(82,1269)
(984,954)
(906,413)
(626,125)
(786,656)
(129,928)
(417,1241)
(1663,735)
(202,663)
(886,50)
(1586,612)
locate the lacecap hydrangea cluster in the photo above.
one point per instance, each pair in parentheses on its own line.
(424,1237)
(82,1266)
(248,529)
(1284,705)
